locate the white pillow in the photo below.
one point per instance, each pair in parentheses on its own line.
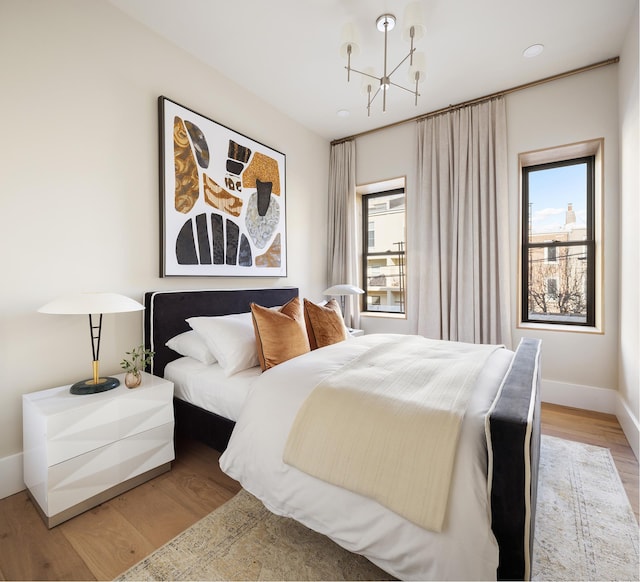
(230,338)
(192,345)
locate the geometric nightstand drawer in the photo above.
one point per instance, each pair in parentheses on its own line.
(80,450)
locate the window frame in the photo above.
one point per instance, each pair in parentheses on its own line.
(365,198)
(589,243)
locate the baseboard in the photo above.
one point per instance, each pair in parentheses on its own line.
(11,476)
(598,400)
(629,424)
(576,396)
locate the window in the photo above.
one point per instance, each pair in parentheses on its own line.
(551,254)
(558,242)
(384,277)
(372,234)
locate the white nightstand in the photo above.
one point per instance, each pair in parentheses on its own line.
(80,451)
(355,332)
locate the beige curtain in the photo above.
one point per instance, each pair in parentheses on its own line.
(460,226)
(342,251)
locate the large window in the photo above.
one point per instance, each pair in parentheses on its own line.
(384,277)
(558,243)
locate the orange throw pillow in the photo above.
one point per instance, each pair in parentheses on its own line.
(280,334)
(325,325)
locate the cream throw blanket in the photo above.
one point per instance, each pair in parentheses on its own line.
(386,424)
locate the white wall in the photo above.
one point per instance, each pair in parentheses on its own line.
(629,360)
(580,368)
(382,156)
(571,110)
(79,184)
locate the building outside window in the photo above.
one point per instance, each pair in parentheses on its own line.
(558,246)
(384,274)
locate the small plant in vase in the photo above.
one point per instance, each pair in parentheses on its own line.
(138,360)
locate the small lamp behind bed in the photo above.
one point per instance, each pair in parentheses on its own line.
(342,290)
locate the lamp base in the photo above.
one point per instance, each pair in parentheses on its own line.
(91,387)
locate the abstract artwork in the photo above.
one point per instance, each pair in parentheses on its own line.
(222,199)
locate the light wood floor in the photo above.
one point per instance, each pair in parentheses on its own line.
(102,543)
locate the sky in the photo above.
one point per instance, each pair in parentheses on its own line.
(551,190)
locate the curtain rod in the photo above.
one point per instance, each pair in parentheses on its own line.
(584,69)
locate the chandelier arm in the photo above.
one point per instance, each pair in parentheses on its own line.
(412,91)
(364,74)
(374,95)
(370,100)
(401,62)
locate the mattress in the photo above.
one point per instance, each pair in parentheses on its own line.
(207,386)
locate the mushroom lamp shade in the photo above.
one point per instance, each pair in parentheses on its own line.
(343,289)
(92,304)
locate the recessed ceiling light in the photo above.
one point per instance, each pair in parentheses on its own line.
(533,51)
(343,113)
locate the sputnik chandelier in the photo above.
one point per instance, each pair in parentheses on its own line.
(373,84)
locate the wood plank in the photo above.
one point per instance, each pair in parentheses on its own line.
(596,428)
(158,517)
(30,551)
(197,471)
(198,493)
(206,461)
(106,541)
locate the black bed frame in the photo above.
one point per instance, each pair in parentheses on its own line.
(513,423)
(165,317)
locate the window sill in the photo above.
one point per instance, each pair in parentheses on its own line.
(559,327)
(383,315)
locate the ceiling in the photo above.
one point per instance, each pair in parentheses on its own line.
(287,51)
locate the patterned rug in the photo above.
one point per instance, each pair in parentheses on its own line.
(585,530)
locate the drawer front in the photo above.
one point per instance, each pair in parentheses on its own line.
(82,477)
(106,420)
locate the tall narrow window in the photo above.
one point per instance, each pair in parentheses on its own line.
(558,244)
(384,276)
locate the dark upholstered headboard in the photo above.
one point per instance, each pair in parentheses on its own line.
(166,312)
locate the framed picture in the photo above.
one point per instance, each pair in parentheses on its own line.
(222,199)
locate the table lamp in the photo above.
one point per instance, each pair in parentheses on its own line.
(92,304)
(340,291)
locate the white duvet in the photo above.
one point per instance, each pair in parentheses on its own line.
(465,549)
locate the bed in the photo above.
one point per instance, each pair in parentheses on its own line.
(511,425)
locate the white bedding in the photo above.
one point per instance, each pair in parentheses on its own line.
(465,549)
(208,387)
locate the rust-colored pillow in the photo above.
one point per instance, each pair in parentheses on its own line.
(325,325)
(280,333)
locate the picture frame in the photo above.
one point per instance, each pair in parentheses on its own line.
(222,199)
